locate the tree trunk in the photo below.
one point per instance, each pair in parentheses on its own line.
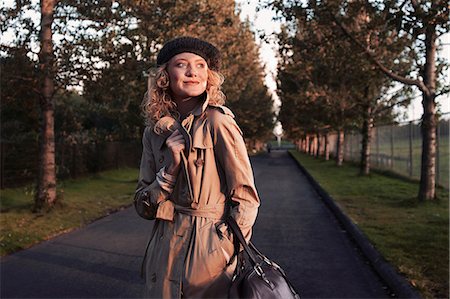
(318,146)
(366,139)
(428,167)
(326,150)
(340,148)
(310,145)
(46,187)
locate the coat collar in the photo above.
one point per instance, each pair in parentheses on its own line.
(201,106)
(199,109)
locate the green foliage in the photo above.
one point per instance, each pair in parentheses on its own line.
(323,79)
(411,235)
(217,22)
(108,48)
(19,105)
(137,30)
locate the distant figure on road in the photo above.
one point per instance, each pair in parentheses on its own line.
(269,147)
(194,172)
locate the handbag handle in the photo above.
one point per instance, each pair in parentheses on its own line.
(248,249)
(239,239)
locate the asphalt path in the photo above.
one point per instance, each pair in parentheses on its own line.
(294,228)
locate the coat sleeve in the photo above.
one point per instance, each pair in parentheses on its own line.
(148,189)
(232,155)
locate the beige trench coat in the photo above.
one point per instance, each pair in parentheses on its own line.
(189,250)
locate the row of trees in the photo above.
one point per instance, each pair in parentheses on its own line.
(340,60)
(82,71)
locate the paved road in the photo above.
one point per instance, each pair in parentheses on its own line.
(294,228)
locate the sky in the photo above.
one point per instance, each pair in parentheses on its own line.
(262,20)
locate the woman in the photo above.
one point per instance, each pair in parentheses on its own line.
(194,172)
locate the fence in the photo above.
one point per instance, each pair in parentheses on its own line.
(19,161)
(398,148)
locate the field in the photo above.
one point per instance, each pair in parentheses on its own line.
(393,153)
(81,201)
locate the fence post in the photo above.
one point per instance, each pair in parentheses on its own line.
(73,171)
(354,146)
(410,149)
(2,170)
(392,147)
(377,136)
(438,131)
(350,141)
(116,154)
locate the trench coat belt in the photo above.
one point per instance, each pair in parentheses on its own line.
(216,212)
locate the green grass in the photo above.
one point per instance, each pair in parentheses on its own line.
(401,149)
(413,236)
(80,202)
(283,142)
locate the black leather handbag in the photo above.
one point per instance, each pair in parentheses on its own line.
(257,276)
(144,207)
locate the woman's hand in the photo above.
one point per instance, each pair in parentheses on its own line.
(176,145)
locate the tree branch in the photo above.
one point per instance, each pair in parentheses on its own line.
(37,91)
(417,7)
(377,63)
(445,91)
(393,105)
(22,78)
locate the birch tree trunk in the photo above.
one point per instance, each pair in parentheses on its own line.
(326,150)
(318,146)
(366,139)
(311,145)
(340,148)
(428,167)
(46,187)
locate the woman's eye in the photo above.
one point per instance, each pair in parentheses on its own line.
(201,65)
(181,64)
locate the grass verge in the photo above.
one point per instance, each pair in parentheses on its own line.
(413,236)
(80,202)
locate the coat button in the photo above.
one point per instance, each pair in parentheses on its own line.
(199,162)
(161,159)
(154,277)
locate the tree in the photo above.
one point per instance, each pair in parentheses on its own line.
(421,23)
(318,69)
(46,188)
(102,51)
(347,88)
(127,48)
(372,84)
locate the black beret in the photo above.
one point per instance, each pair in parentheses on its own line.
(192,45)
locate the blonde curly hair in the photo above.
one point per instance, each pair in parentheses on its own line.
(158,103)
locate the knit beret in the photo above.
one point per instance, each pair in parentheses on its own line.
(192,45)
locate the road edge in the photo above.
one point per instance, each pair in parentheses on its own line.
(394,280)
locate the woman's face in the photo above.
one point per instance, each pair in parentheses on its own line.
(188,75)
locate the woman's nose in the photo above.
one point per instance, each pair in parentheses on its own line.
(191,72)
